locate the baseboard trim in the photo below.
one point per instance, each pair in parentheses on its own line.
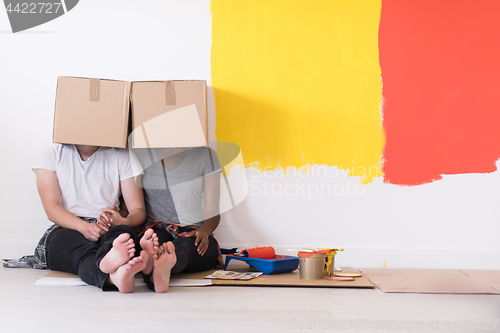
(16,248)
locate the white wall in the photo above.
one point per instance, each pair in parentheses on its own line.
(452,223)
(125,40)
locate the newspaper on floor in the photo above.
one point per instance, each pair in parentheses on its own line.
(229,275)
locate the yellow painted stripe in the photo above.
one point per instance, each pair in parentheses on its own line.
(298,82)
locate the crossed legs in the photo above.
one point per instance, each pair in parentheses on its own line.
(112,262)
(121,264)
(107,264)
(160,261)
(168,256)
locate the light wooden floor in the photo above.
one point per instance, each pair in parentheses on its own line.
(25,307)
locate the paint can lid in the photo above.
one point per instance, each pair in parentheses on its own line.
(340,278)
(353,275)
(315,254)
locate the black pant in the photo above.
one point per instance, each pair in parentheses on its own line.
(69,251)
(188,259)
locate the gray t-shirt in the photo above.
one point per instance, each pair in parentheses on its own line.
(177,195)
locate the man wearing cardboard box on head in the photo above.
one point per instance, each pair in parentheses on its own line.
(82,177)
(181,179)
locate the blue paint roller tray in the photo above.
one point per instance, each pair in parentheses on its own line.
(280,263)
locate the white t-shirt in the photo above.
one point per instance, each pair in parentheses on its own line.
(89,186)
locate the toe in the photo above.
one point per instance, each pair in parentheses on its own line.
(170,247)
(123,237)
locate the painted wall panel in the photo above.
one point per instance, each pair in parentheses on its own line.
(298,82)
(441,86)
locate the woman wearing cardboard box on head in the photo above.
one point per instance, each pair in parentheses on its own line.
(181,185)
(75,183)
(181,191)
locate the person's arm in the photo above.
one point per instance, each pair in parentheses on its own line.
(50,194)
(134,201)
(211,198)
(123,208)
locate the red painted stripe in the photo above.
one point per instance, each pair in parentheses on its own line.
(440,63)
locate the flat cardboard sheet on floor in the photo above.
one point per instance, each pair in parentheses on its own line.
(489,277)
(433,281)
(291,279)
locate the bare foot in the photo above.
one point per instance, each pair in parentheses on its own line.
(162,265)
(149,243)
(122,251)
(124,277)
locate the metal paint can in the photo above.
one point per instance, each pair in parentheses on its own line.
(311,265)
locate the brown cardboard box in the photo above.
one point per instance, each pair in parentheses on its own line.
(92,112)
(169,114)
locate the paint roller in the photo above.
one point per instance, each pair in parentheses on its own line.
(265,252)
